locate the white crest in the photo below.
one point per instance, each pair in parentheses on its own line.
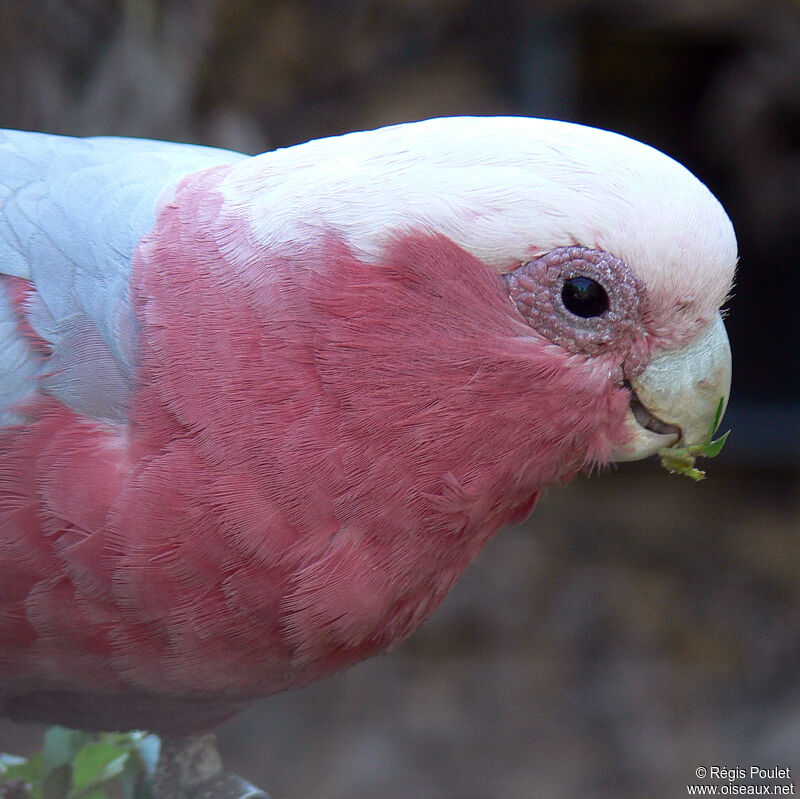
(504,189)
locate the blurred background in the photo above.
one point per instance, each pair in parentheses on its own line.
(639,625)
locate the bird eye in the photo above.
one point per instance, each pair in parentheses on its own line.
(584,300)
(584,297)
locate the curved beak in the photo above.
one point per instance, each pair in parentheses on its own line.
(675,398)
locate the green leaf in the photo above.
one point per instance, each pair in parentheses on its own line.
(713,448)
(7,760)
(122,739)
(61,745)
(30,770)
(96,764)
(717,418)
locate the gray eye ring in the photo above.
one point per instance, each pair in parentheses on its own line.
(537,289)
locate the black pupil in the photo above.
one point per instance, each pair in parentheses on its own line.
(584,297)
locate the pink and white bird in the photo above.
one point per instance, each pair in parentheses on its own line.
(259,413)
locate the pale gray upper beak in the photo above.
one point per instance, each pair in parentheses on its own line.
(679,392)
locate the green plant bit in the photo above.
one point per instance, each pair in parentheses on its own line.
(680,460)
(82,765)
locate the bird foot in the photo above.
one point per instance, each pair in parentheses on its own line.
(191,768)
(228,786)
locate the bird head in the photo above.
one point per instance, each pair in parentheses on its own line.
(608,248)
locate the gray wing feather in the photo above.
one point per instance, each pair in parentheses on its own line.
(71,214)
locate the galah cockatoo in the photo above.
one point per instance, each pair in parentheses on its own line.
(260,413)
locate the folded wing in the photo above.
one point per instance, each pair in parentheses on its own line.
(71,214)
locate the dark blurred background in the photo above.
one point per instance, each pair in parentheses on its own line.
(639,625)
